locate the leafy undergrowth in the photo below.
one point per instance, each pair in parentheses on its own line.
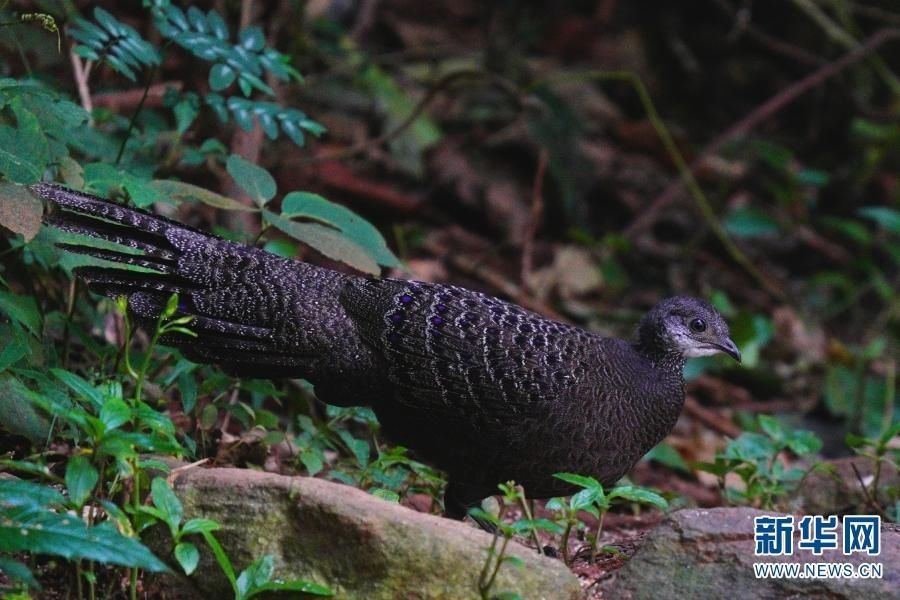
(498,157)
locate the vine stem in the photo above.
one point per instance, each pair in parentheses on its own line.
(136,113)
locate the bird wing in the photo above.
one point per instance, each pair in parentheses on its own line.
(452,350)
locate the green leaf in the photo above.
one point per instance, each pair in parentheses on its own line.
(856,441)
(888,218)
(20,211)
(363,233)
(257,574)
(186,192)
(750,447)
(37,530)
(359,448)
(17,414)
(750,222)
(22,309)
(668,456)
(253,179)
(107,180)
(15,492)
(804,442)
(199,525)
(385,494)
(638,494)
(24,150)
(771,427)
(81,478)
(166,501)
(187,556)
(221,76)
(18,572)
(115,413)
(312,460)
(329,242)
(81,387)
(297,585)
(579,480)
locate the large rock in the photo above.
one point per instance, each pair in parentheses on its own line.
(357,544)
(697,553)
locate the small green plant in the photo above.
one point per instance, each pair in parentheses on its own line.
(391,474)
(883,452)
(255,579)
(513,495)
(756,457)
(594,500)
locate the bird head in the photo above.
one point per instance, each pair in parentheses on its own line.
(686,325)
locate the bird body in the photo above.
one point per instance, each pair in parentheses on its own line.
(481,388)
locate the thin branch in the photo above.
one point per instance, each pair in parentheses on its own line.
(82,71)
(443,83)
(761,113)
(537,213)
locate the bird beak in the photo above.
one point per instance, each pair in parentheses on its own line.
(730,348)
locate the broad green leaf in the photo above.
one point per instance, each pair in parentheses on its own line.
(804,442)
(20,211)
(80,386)
(312,460)
(166,501)
(579,480)
(888,218)
(326,240)
(24,149)
(22,309)
(16,492)
(107,181)
(363,233)
(41,531)
(18,572)
(186,192)
(81,477)
(359,448)
(17,414)
(771,427)
(637,494)
(115,413)
(187,556)
(199,525)
(253,179)
(257,574)
(750,447)
(668,456)
(750,222)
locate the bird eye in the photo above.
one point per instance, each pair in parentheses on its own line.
(698,325)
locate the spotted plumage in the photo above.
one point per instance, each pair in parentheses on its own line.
(482,388)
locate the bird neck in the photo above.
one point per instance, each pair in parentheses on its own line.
(657,349)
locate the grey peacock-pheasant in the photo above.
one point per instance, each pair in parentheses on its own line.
(481,388)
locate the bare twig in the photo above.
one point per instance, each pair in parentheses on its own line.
(710,418)
(742,26)
(761,113)
(82,71)
(870,501)
(443,83)
(537,213)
